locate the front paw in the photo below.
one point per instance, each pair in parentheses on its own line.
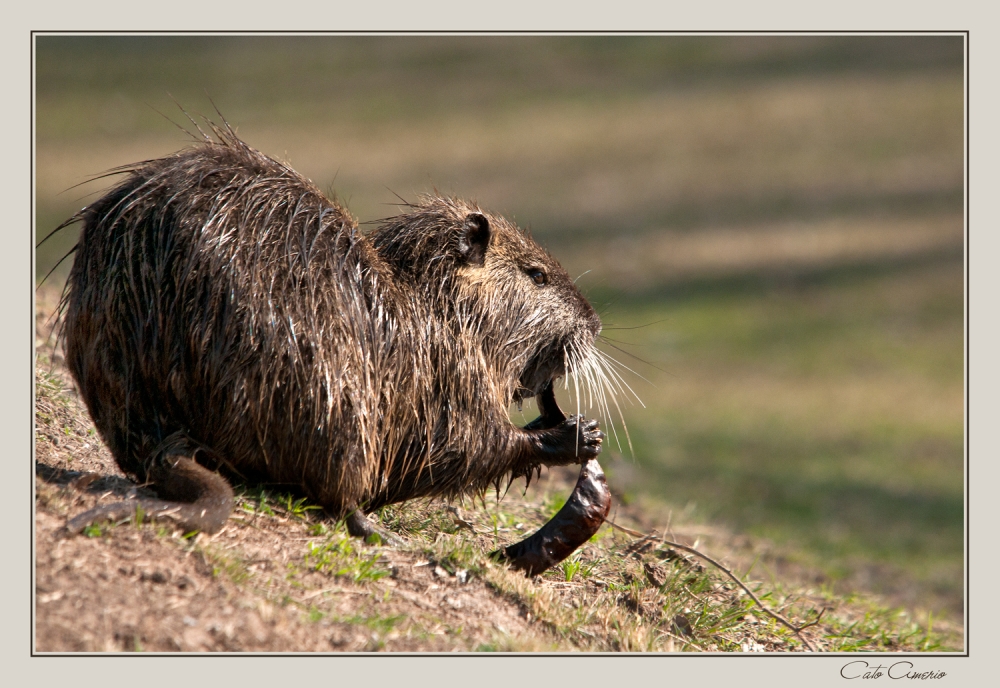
(581,438)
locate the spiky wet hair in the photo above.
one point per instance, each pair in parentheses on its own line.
(219,295)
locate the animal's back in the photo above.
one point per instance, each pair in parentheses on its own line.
(219,294)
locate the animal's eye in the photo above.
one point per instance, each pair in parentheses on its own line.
(538,276)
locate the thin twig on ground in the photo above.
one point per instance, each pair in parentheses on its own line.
(774,615)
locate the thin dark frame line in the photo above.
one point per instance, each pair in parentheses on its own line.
(35,33)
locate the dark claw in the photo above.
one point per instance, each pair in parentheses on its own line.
(358,525)
(589,437)
(563,440)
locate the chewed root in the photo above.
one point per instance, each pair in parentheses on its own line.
(579,519)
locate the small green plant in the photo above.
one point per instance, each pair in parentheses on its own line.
(260,506)
(459,555)
(552,504)
(235,569)
(47,385)
(379,624)
(927,644)
(297,508)
(339,558)
(571,567)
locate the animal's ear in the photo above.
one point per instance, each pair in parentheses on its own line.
(475,239)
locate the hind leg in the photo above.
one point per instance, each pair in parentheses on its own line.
(358,525)
(193,497)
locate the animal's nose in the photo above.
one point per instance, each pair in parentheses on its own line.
(595,322)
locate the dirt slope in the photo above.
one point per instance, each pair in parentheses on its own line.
(279,578)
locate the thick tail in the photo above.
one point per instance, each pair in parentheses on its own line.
(195,498)
(579,519)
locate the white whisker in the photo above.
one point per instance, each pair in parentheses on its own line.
(609,363)
(605,411)
(621,415)
(576,389)
(602,381)
(615,361)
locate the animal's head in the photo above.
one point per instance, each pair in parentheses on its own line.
(493,284)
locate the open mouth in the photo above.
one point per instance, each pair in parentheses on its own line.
(538,378)
(535,385)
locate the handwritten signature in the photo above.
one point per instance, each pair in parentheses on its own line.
(862,669)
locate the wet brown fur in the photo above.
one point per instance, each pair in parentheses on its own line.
(220,307)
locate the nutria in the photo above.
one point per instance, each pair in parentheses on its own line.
(223,316)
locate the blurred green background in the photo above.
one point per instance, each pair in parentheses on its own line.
(771,227)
